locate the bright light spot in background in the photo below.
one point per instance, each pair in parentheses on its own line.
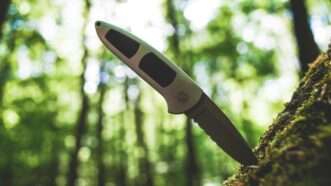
(143,18)
(47,27)
(84,154)
(82,182)
(259,28)
(202,76)
(268,32)
(320,23)
(117,101)
(48,61)
(11,118)
(24,7)
(200,12)
(211,183)
(161,167)
(65,36)
(272,91)
(133,92)
(24,64)
(322,32)
(69,141)
(92,75)
(122,71)
(27,67)
(236,97)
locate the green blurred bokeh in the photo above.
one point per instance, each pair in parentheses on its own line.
(241,52)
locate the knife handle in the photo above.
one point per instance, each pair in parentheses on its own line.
(177,88)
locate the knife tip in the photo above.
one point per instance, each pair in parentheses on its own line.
(250,160)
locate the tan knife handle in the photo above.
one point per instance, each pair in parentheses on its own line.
(177,88)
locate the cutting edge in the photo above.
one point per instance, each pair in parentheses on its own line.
(221,130)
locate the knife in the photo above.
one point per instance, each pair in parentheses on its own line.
(178,89)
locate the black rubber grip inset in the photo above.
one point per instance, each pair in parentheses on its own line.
(124,44)
(157,69)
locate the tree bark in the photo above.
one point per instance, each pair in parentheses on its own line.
(307,47)
(81,124)
(296,149)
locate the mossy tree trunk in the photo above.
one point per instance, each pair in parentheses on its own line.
(296,149)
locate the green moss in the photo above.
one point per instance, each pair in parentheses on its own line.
(296,149)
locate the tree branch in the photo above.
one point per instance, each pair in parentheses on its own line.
(307,47)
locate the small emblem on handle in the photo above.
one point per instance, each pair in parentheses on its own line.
(182,97)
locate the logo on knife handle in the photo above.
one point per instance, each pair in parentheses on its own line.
(182,97)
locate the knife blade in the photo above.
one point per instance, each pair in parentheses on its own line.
(180,92)
(221,130)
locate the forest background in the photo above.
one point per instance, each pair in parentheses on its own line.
(73,114)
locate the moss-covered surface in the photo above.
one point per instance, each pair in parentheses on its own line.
(296,149)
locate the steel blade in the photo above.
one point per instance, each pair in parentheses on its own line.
(221,130)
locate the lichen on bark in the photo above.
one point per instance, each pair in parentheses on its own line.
(296,148)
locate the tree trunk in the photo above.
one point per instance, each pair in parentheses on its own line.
(172,18)
(6,177)
(192,168)
(5,66)
(307,47)
(3,14)
(99,150)
(81,123)
(53,169)
(122,160)
(296,149)
(145,168)
(121,170)
(167,150)
(72,173)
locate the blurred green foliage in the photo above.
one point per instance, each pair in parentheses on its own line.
(238,58)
